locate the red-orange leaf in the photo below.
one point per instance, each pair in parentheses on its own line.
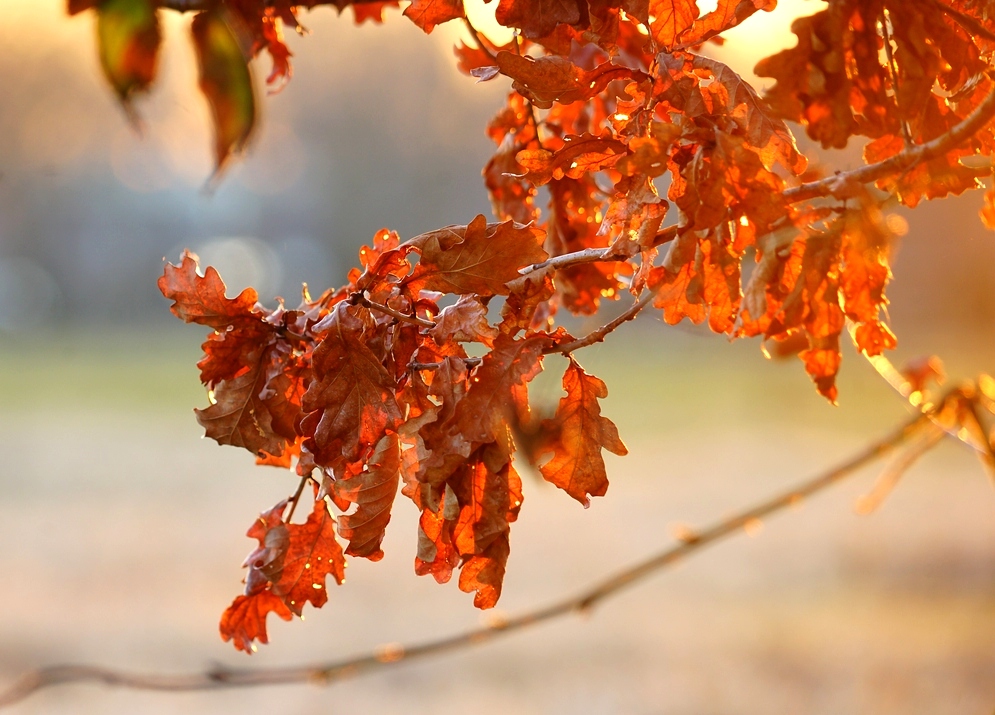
(669,19)
(478,258)
(481,413)
(245,619)
(537,18)
(373,491)
(484,572)
(727,14)
(490,496)
(239,415)
(577,434)
(548,79)
(466,321)
(351,402)
(429,13)
(201,299)
(578,156)
(312,554)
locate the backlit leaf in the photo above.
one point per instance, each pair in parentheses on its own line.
(577,434)
(225,81)
(478,258)
(373,491)
(129,37)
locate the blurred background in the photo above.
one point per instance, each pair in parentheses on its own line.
(123,531)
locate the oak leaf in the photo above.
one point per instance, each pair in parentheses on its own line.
(537,18)
(480,414)
(429,13)
(668,19)
(577,434)
(489,493)
(548,79)
(477,258)
(578,156)
(350,404)
(465,321)
(312,555)
(239,416)
(244,621)
(373,491)
(201,299)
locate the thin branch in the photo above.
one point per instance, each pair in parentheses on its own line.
(476,38)
(297,497)
(586,255)
(966,21)
(469,362)
(404,317)
(841,185)
(390,655)
(598,335)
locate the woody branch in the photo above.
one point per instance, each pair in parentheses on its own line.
(841,185)
(324,673)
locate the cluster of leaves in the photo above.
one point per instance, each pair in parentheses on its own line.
(371,386)
(416,371)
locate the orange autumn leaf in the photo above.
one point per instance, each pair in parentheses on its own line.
(244,621)
(577,434)
(312,554)
(429,13)
(351,402)
(201,299)
(372,491)
(477,258)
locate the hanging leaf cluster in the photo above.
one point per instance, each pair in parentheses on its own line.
(666,177)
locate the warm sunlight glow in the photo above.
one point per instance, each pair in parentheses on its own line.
(481,16)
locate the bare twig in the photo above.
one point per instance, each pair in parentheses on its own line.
(841,185)
(297,497)
(966,21)
(404,317)
(327,672)
(586,255)
(598,335)
(469,362)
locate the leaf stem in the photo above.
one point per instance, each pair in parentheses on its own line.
(327,672)
(598,335)
(296,497)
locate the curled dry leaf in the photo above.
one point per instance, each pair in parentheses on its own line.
(576,435)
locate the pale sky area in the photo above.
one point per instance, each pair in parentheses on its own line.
(377,128)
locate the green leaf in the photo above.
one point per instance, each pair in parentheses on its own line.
(128,37)
(226,82)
